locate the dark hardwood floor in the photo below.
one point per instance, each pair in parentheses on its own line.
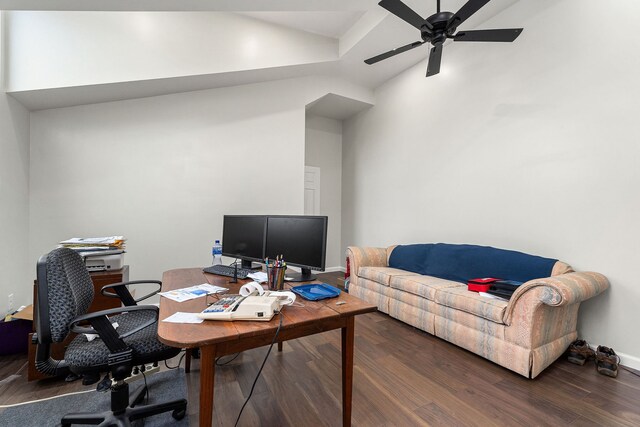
(402,377)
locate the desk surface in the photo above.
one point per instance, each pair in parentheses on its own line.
(219,338)
(213,332)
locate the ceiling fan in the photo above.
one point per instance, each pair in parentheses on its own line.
(439,27)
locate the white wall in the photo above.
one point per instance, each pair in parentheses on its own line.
(323,149)
(529,146)
(51,49)
(164,170)
(16,270)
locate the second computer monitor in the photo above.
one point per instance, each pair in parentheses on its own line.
(301,240)
(243,238)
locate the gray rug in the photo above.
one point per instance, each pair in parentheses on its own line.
(163,387)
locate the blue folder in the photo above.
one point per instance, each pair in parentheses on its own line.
(316,291)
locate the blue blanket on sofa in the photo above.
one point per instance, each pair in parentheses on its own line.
(461,263)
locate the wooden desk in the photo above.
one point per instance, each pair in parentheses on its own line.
(217,338)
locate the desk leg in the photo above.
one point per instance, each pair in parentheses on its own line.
(187,361)
(347,370)
(207,377)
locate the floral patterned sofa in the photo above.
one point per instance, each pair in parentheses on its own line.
(525,334)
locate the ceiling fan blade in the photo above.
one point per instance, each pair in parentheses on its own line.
(471,7)
(393,52)
(435,57)
(405,13)
(503,35)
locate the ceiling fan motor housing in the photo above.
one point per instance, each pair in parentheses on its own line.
(440,32)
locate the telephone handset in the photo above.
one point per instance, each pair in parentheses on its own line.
(253,303)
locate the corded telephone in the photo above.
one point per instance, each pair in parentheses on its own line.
(253,303)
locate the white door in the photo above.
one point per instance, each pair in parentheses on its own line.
(311,190)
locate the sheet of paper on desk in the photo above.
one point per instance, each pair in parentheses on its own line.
(258,276)
(192,292)
(180,317)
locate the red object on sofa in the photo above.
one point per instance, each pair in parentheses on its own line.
(347,276)
(481,285)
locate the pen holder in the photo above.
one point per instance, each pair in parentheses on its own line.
(276,278)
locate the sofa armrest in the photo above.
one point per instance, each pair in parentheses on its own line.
(556,291)
(365,257)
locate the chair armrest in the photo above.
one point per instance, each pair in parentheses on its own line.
(123,293)
(557,291)
(102,314)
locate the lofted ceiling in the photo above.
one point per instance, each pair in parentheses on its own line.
(325,23)
(359,29)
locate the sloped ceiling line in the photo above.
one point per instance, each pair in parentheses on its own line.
(155,53)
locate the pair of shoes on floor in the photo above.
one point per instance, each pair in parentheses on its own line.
(606,359)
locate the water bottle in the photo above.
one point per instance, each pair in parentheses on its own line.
(216,251)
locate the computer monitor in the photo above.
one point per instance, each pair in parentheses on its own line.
(302,242)
(243,237)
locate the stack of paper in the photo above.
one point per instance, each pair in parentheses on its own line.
(104,245)
(486,295)
(258,276)
(196,291)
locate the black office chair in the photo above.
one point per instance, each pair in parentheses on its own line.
(65,292)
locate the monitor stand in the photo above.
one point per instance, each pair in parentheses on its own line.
(304,276)
(249,265)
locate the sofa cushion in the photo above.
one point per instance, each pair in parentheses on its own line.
(412,300)
(382,275)
(424,286)
(372,292)
(468,320)
(464,262)
(472,302)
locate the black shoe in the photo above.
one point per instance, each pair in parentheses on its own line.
(607,361)
(579,352)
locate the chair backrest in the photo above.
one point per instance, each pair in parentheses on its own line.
(65,291)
